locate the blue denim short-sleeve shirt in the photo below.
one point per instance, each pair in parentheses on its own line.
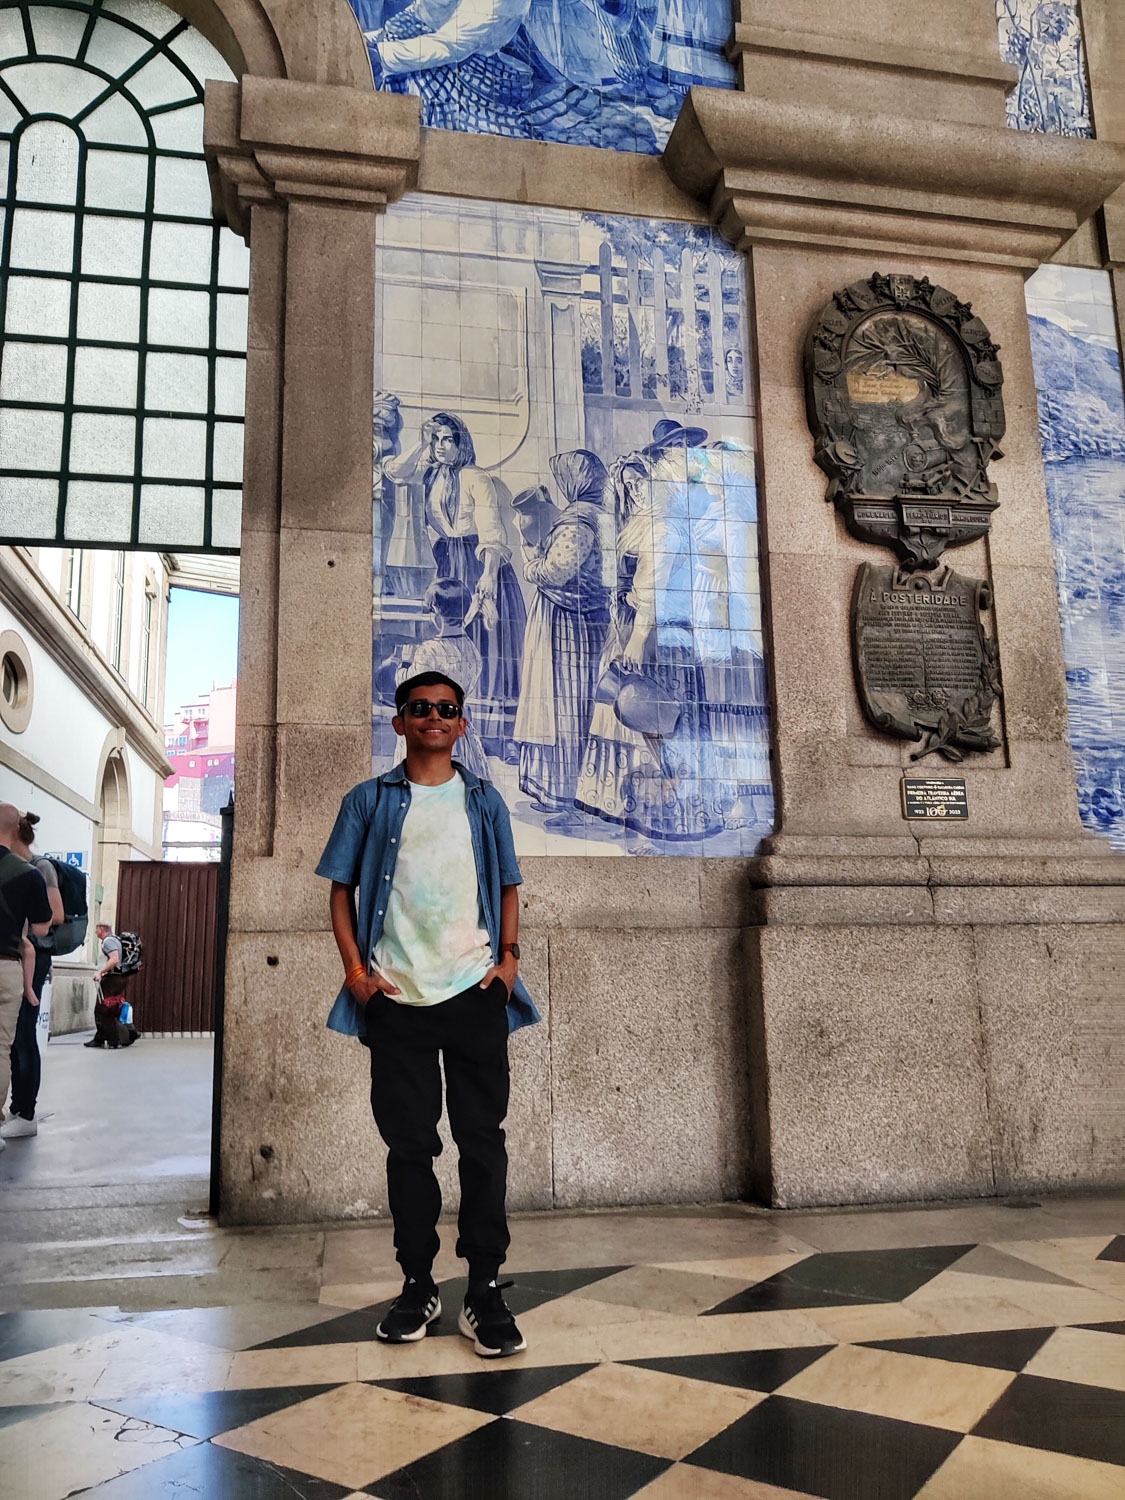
(363,847)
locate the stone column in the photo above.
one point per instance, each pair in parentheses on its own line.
(302,170)
(930,1014)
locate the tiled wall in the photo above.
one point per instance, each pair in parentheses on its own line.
(1043,38)
(587,72)
(1082,424)
(563,418)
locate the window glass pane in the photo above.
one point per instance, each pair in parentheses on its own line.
(57,32)
(194,49)
(102,445)
(116,123)
(30,439)
(181,252)
(174,450)
(52,88)
(112,247)
(33,372)
(227,463)
(226,518)
(172,515)
(105,377)
(234,259)
(176,317)
(116,179)
(231,321)
(13,43)
(159,82)
(42,240)
(108,310)
(182,187)
(148,14)
(179,129)
(176,382)
(115,48)
(38,305)
(48,163)
(29,507)
(98,512)
(230,387)
(9,114)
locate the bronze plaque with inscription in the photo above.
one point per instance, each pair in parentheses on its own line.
(924,666)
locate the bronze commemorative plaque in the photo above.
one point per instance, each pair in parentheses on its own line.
(925,669)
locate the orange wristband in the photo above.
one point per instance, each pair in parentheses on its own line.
(354,974)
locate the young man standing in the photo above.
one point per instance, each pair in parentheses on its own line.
(23,905)
(430,966)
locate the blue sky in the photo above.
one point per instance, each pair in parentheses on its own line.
(202,645)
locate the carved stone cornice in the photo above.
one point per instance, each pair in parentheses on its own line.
(269,140)
(811,176)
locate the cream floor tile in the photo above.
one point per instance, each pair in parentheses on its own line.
(353,1435)
(880,1320)
(235,1327)
(359,1294)
(1075,1258)
(686,1482)
(124,1362)
(664,1415)
(1083,1356)
(432,1356)
(660,1289)
(634,1239)
(904,1386)
(745,1268)
(316,1364)
(900,1229)
(73,1447)
(1065,1304)
(980,1469)
(722,1334)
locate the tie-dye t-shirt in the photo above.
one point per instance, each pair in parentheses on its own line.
(434,944)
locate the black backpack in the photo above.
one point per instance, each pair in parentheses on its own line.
(132,953)
(71,931)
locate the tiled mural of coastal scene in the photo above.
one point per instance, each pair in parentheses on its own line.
(1043,38)
(1082,424)
(565,519)
(607,73)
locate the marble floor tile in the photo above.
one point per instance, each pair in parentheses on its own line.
(73,1446)
(744,1268)
(990,1260)
(850,1277)
(664,1415)
(29,1332)
(902,1228)
(706,1335)
(687,1482)
(489,1389)
(1083,1356)
(872,1320)
(1007,1349)
(324,1364)
(903,1386)
(979,1469)
(242,1326)
(750,1369)
(352,1294)
(664,1290)
(353,1435)
(207,1413)
(626,1239)
(207,1472)
(1077,1258)
(114,1363)
(1082,1420)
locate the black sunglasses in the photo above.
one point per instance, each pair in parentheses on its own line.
(419,708)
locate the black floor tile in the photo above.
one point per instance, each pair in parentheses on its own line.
(1083,1420)
(845,1277)
(29,1332)
(357,1327)
(821,1450)
(205,1472)
(496,1391)
(753,1370)
(510,1460)
(1115,1250)
(1008,1349)
(560,1283)
(1104,1327)
(210,1412)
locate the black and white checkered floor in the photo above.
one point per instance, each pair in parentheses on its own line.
(721,1355)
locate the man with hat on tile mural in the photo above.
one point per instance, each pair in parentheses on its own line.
(430,983)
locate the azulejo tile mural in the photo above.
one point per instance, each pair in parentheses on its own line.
(1082,425)
(587,72)
(565,519)
(1043,38)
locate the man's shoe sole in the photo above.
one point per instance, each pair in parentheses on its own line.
(465,1327)
(409,1338)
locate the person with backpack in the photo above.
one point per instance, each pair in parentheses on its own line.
(38,952)
(121,954)
(24,908)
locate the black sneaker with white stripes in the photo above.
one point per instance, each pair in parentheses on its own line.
(487,1320)
(413,1310)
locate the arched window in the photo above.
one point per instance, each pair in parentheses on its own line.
(122,301)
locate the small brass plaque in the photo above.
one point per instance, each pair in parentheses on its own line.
(934,797)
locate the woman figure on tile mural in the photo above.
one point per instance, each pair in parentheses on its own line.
(567,627)
(647,762)
(462,512)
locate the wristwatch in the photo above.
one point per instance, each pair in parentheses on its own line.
(512,948)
